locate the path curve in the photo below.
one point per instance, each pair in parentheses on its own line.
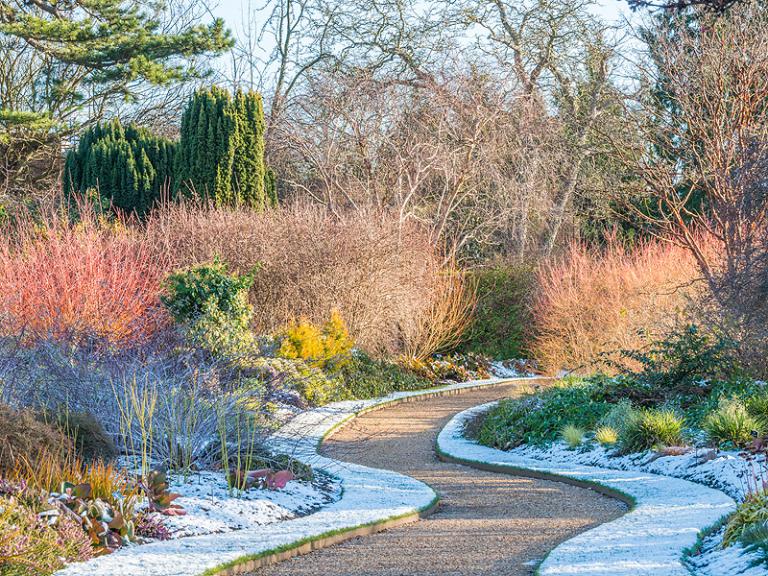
(487,523)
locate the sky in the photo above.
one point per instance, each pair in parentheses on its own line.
(232,11)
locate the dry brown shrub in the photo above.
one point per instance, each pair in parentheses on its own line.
(593,302)
(25,439)
(443,323)
(379,275)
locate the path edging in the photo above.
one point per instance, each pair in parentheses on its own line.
(664,520)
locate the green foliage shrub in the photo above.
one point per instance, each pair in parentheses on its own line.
(212,305)
(366,377)
(539,418)
(651,428)
(128,165)
(731,424)
(499,325)
(686,362)
(221,152)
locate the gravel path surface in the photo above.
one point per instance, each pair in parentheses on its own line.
(487,523)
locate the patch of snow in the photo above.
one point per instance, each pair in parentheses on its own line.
(647,541)
(213,509)
(510,368)
(715,560)
(369,496)
(723,470)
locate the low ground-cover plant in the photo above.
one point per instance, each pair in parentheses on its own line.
(539,417)
(449,368)
(685,380)
(29,545)
(367,377)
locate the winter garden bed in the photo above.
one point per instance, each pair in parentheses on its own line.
(666,517)
(683,408)
(369,498)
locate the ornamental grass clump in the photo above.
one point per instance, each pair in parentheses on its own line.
(606,436)
(572,435)
(752,512)
(731,424)
(618,416)
(650,429)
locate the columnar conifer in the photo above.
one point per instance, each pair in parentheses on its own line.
(221,153)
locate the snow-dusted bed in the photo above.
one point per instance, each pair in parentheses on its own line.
(667,514)
(370,497)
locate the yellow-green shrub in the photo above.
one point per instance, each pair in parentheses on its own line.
(325,347)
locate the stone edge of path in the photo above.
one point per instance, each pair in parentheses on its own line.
(372,500)
(665,518)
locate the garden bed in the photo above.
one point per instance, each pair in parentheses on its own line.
(371,500)
(667,514)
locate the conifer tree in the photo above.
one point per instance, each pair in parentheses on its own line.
(129,166)
(86,54)
(221,152)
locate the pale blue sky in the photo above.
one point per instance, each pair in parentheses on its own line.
(232,10)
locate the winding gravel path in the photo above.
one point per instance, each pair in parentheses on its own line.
(487,523)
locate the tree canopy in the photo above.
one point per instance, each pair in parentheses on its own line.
(63,63)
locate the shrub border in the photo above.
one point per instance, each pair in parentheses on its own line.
(302,437)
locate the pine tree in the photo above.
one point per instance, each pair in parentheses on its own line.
(221,152)
(85,55)
(128,166)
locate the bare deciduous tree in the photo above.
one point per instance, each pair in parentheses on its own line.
(706,165)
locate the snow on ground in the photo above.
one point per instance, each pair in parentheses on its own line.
(213,509)
(369,496)
(510,368)
(718,561)
(647,541)
(723,470)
